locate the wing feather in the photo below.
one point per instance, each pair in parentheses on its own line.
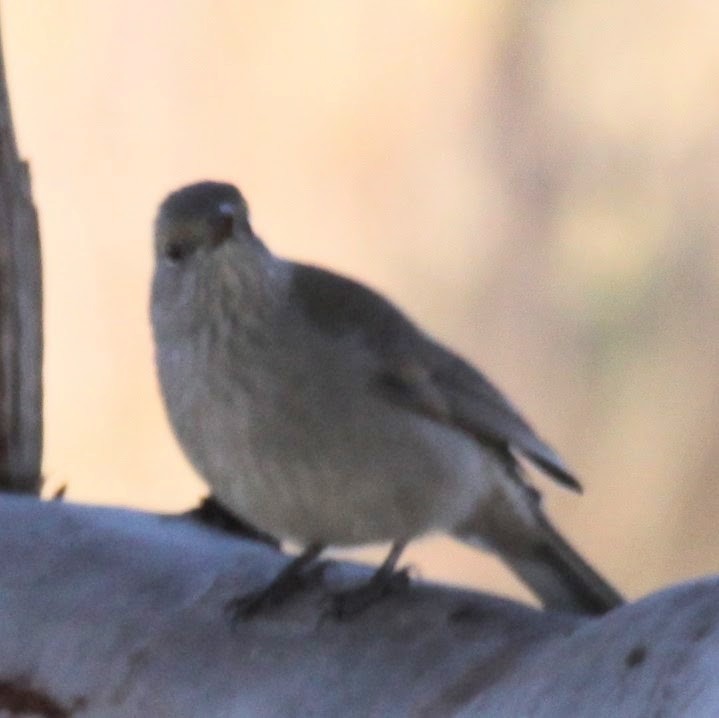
(417,372)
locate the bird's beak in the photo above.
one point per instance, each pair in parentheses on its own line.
(222,227)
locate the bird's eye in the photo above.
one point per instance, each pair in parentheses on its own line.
(176,251)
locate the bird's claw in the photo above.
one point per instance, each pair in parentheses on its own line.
(278,592)
(353,601)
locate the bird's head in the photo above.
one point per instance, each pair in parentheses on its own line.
(199,219)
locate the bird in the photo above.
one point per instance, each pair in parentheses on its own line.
(319,412)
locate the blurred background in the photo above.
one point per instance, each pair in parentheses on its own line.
(536,183)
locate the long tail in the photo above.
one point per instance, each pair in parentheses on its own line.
(562,579)
(550,567)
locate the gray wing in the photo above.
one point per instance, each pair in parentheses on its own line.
(417,372)
(483,411)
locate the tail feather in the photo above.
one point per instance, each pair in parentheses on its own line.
(554,571)
(561,578)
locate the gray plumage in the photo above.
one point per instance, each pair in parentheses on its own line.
(318,412)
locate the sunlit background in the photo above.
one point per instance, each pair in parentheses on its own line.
(537,183)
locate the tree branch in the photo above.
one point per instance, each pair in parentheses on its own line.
(113,613)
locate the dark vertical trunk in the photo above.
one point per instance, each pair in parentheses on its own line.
(20,317)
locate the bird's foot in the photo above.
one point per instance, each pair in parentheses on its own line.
(353,601)
(295,577)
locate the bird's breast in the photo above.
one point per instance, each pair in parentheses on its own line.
(293,437)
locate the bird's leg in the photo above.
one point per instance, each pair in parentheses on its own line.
(384,581)
(212,513)
(286,584)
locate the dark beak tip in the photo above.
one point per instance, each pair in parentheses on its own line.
(222,229)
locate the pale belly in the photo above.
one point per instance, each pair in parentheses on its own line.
(373,472)
(298,443)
